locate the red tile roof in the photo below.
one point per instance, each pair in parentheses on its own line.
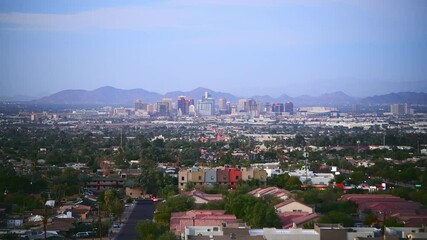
(407,211)
(179,220)
(288,219)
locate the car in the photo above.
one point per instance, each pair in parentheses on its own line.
(116,225)
(127,205)
(82,235)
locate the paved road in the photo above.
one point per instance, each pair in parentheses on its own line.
(143,209)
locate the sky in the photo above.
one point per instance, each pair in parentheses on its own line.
(244,47)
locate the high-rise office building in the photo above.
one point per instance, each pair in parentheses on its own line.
(399,109)
(289,107)
(151,108)
(163,109)
(251,107)
(241,105)
(170,103)
(355,108)
(206,106)
(278,108)
(138,104)
(184,104)
(267,107)
(222,104)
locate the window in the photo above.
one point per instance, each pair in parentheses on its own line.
(215,229)
(237,177)
(200,177)
(182,178)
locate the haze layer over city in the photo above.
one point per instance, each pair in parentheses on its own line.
(245,47)
(213,119)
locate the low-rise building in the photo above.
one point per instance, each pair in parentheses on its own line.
(134,192)
(201,197)
(292,205)
(226,233)
(270,191)
(218,218)
(385,205)
(102,184)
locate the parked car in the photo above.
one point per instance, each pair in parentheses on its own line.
(82,235)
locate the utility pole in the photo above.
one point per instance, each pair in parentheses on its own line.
(45,221)
(121,138)
(384,140)
(418,151)
(99,222)
(305,154)
(358,146)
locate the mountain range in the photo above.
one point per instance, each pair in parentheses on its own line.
(113,96)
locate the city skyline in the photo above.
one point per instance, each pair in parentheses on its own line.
(247,48)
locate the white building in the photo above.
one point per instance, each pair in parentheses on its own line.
(313,178)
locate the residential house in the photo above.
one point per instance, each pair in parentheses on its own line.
(134,192)
(210,176)
(235,175)
(260,174)
(182,179)
(407,212)
(293,213)
(247,174)
(196,176)
(222,176)
(180,220)
(201,197)
(292,205)
(271,191)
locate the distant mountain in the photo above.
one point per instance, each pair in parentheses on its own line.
(16,98)
(199,92)
(335,98)
(103,95)
(265,99)
(114,96)
(401,97)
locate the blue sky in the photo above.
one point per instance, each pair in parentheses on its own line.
(246,47)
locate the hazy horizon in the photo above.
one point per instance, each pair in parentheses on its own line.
(242,47)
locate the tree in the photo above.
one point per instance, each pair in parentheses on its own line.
(147,181)
(293,183)
(254,211)
(370,219)
(147,230)
(337,217)
(113,203)
(173,204)
(279,180)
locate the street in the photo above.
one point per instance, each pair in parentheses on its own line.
(142,210)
